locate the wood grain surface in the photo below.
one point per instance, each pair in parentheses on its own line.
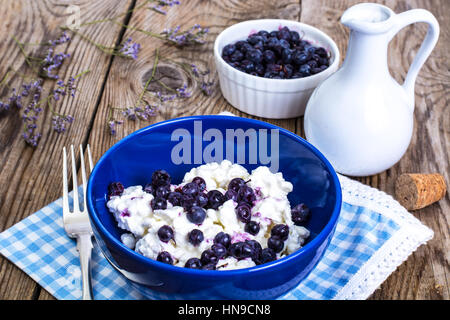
(30,178)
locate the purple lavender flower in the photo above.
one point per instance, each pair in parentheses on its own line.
(192,36)
(4,106)
(206,87)
(31,138)
(164,3)
(59,122)
(15,99)
(52,62)
(130,49)
(163,98)
(112,126)
(182,93)
(137,112)
(62,39)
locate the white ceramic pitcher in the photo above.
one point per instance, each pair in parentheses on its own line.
(360,118)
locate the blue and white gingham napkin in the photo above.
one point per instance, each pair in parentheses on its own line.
(374,235)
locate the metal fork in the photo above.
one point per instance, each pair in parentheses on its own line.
(76,223)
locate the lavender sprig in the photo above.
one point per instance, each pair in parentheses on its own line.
(130,49)
(52,62)
(164,3)
(195,35)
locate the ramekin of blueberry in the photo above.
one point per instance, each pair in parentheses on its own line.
(270,67)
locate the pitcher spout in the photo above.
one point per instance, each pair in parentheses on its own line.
(368,18)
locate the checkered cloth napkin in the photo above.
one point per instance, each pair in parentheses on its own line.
(374,235)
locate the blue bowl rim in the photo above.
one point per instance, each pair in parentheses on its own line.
(320,237)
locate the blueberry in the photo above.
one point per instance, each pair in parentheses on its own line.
(165,233)
(243,212)
(263,33)
(254,55)
(284,34)
(215,199)
(267,255)
(272,43)
(209,266)
(219,250)
(195,237)
(257,250)
(246,47)
(288,70)
(200,182)
(160,178)
(239,44)
(190,189)
(269,56)
(281,231)
(305,70)
(300,214)
(158,204)
(201,200)
(274,34)
(175,198)
(231,195)
(252,227)
(286,55)
(208,256)
(322,52)
(312,64)
(299,58)
(316,70)
(259,69)
(246,194)
(235,184)
(223,239)
(164,257)
(162,192)
(193,263)
(115,189)
(196,215)
(149,188)
(284,44)
(295,37)
(275,243)
(254,39)
(323,62)
(229,49)
(274,68)
(248,66)
(237,56)
(241,250)
(188,201)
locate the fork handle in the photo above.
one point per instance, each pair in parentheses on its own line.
(84,247)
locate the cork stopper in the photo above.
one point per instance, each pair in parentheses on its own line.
(417,190)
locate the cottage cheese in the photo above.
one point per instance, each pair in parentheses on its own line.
(133,213)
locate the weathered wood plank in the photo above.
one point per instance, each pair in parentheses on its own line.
(30,178)
(428,268)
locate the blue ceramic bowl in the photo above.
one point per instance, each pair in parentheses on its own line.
(132,161)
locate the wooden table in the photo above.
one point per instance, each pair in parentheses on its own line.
(30,178)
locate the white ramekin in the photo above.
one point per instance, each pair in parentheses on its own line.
(263,97)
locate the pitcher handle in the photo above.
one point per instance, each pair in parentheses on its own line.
(409,17)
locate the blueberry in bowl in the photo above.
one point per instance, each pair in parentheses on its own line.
(270,67)
(280,54)
(157,269)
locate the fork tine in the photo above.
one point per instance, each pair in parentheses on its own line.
(91,166)
(76,206)
(65,188)
(83,176)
